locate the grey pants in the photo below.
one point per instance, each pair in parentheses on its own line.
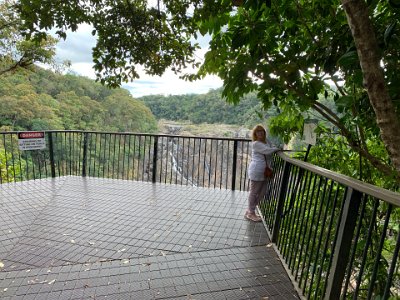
(256,194)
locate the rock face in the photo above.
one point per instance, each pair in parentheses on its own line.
(172,129)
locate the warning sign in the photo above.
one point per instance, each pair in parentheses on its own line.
(31,140)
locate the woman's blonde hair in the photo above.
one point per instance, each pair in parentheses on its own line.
(256,128)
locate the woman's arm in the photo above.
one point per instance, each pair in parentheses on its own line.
(264,148)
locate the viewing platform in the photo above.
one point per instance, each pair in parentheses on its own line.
(95,215)
(72,237)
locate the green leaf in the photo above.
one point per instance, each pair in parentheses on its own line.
(389,32)
(345,101)
(348,59)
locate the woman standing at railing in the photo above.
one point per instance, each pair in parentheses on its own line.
(261,153)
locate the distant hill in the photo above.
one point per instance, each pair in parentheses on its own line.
(44,100)
(205,108)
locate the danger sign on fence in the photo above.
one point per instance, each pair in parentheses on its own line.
(31,140)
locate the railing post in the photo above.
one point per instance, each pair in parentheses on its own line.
(51,150)
(155,154)
(234,164)
(84,158)
(343,244)
(281,201)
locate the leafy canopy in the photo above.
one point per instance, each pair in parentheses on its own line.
(293,54)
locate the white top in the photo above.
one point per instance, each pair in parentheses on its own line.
(257,165)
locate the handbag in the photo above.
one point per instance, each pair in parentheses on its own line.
(268,171)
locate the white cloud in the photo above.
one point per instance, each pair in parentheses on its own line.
(77,48)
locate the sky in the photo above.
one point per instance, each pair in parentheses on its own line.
(77,48)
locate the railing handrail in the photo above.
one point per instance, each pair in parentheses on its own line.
(136,133)
(366,188)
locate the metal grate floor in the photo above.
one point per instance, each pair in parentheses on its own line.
(89,238)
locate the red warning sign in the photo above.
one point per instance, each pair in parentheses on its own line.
(31,140)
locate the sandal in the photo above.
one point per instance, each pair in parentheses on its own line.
(253,217)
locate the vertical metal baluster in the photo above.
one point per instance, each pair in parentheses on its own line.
(76,153)
(40,163)
(119,155)
(311,253)
(307,222)
(134,175)
(242,156)
(389,280)
(6,160)
(109,155)
(155,158)
(105,161)
(293,207)
(365,253)
(354,250)
(144,157)
(99,156)
(342,241)
(227,164)
(183,159)
(51,155)
(74,171)
(124,157)
(222,163)
(210,165)
(13,160)
(161,146)
(326,246)
(321,234)
(1,173)
(59,146)
(177,160)
(79,154)
(193,155)
(234,162)
(216,164)
(188,162)
(92,172)
(378,252)
(286,220)
(20,163)
(172,159)
(300,215)
(149,146)
(204,161)
(129,156)
(247,167)
(113,160)
(138,139)
(85,154)
(166,158)
(198,162)
(70,153)
(65,156)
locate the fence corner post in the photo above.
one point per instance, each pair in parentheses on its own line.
(155,154)
(51,150)
(281,201)
(343,244)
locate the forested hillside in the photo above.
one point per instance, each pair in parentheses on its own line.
(44,100)
(205,108)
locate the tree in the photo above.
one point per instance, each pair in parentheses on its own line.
(15,51)
(289,52)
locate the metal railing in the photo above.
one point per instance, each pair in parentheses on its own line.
(337,237)
(186,160)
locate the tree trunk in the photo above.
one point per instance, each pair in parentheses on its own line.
(373,76)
